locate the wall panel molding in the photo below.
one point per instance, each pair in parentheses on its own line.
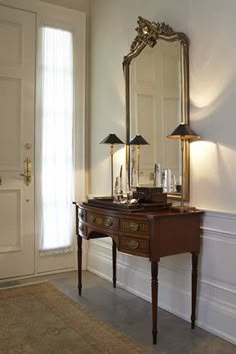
(216,291)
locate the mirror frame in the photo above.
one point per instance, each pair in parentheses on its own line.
(148,35)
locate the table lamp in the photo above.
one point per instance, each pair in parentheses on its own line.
(138,140)
(112,140)
(184,133)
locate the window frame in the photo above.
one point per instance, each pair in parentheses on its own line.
(75,22)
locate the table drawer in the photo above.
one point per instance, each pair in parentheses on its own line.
(136,246)
(103,221)
(134,226)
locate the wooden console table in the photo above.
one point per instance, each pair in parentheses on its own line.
(150,234)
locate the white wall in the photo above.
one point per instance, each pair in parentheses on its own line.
(211,26)
(32,5)
(80,5)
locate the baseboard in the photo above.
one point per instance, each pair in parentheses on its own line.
(37,275)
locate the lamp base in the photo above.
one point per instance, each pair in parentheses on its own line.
(182,208)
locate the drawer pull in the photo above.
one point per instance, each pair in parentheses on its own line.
(108,222)
(133,244)
(92,218)
(96,220)
(133,226)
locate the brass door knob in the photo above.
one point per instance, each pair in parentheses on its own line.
(27,171)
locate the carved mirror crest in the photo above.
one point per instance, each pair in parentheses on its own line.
(157,100)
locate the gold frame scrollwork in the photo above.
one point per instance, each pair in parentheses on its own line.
(148,35)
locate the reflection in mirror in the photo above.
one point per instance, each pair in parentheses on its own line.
(157,101)
(155,111)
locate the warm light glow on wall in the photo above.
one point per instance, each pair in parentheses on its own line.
(207,95)
(206,100)
(200,151)
(210,79)
(212,169)
(203,160)
(119,159)
(203,97)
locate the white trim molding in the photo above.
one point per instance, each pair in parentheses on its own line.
(26,5)
(216,300)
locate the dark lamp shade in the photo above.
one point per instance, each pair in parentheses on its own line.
(183,132)
(138,140)
(111,139)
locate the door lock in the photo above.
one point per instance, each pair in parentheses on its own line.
(27,171)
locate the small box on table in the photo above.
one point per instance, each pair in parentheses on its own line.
(150,194)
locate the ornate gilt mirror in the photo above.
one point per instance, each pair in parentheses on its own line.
(157,100)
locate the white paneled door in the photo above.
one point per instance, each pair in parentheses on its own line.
(17,72)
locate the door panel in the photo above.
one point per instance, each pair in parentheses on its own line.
(10,134)
(11,238)
(11,49)
(17,72)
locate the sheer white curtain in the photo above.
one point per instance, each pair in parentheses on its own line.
(54,141)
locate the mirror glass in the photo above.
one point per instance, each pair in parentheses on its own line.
(155,111)
(157,101)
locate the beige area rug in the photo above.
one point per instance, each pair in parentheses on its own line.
(39,319)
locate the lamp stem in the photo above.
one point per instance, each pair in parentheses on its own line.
(111,153)
(182,171)
(127,168)
(138,161)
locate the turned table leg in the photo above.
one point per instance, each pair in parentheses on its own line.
(194,287)
(154,268)
(114,253)
(79,257)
